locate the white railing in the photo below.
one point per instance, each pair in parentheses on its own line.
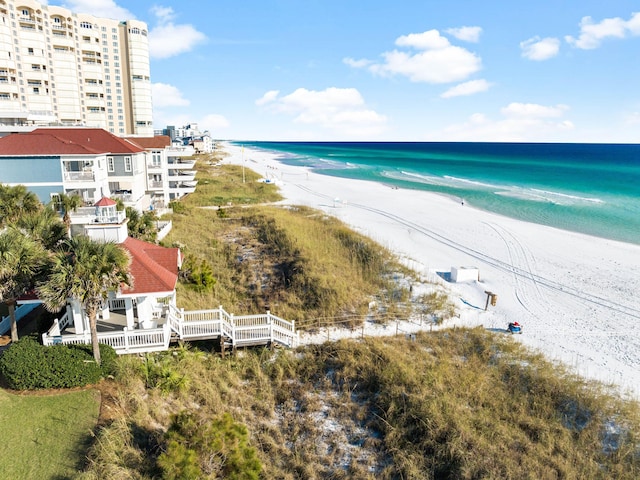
(64,321)
(124,341)
(241,330)
(163,227)
(173,163)
(78,176)
(119,303)
(244,330)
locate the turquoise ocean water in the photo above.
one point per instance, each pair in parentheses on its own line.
(588,188)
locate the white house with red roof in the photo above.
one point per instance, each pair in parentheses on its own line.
(91,162)
(145,317)
(154,270)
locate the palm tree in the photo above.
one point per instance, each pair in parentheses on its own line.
(141,225)
(68,203)
(85,270)
(21,259)
(15,201)
(44,226)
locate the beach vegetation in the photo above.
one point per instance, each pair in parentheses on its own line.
(227,185)
(28,365)
(142,225)
(460,403)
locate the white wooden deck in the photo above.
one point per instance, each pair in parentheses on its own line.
(237,331)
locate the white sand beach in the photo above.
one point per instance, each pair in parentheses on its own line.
(575,295)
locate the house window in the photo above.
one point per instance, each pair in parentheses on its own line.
(110,165)
(127,164)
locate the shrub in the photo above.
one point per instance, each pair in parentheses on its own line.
(27,365)
(178,207)
(24,365)
(198,273)
(217,449)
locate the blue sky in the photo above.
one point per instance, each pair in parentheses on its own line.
(402,70)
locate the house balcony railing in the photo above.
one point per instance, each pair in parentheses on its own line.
(182,165)
(117,217)
(179,176)
(79,176)
(87,215)
(182,188)
(186,151)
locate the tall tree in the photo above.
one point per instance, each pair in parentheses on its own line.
(85,270)
(67,204)
(21,260)
(142,225)
(44,227)
(16,201)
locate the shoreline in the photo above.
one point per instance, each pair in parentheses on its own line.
(566,206)
(573,293)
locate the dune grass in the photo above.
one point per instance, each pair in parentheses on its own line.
(297,262)
(228,185)
(46,436)
(461,404)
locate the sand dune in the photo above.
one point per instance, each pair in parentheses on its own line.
(576,295)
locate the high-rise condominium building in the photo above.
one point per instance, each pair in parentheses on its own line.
(65,68)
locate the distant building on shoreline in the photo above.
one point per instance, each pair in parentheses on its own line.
(189,135)
(58,67)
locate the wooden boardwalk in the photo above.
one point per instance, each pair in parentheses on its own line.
(232,331)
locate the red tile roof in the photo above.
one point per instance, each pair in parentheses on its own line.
(154,268)
(156,142)
(22,144)
(66,141)
(105,202)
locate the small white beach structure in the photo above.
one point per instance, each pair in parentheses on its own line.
(465,274)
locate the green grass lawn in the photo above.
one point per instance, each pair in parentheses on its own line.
(46,436)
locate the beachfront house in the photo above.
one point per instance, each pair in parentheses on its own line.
(145,317)
(170,169)
(89,162)
(142,172)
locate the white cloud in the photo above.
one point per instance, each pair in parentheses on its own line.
(165,95)
(342,111)
(268,97)
(533,110)
(540,49)
(467,88)
(428,40)
(520,122)
(466,34)
(100,8)
(168,39)
(436,62)
(592,34)
(163,14)
(356,63)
